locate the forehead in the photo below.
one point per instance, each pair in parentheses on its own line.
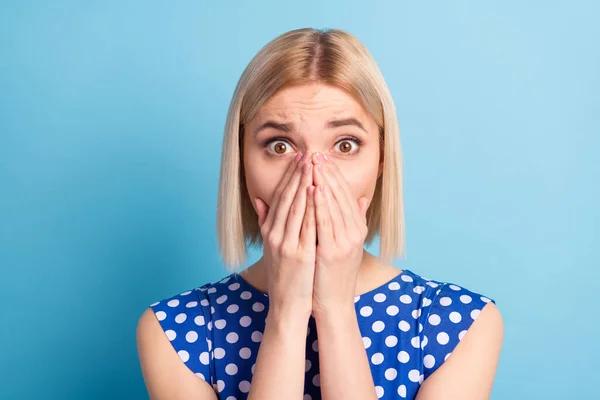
(318,100)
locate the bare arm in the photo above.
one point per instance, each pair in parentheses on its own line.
(469,371)
(165,375)
(279,370)
(345,371)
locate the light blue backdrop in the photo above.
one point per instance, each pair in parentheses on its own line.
(111,121)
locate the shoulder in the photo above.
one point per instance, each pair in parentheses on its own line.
(195,305)
(462,331)
(165,370)
(454,306)
(446,302)
(452,315)
(173,337)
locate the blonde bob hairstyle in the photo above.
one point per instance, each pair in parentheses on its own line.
(307,56)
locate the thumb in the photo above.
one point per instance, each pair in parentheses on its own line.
(261,210)
(363,204)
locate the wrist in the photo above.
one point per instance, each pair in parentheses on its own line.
(335,311)
(288,317)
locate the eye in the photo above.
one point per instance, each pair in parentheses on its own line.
(277,145)
(346,146)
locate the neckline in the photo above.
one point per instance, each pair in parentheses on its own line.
(386,284)
(357,298)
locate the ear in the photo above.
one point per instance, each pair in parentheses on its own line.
(261,209)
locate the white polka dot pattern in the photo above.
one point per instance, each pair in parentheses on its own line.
(452,312)
(409,326)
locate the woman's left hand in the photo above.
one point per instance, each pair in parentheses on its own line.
(341,232)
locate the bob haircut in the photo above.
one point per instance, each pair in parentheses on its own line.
(306,56)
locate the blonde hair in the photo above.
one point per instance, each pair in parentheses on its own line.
(333,57)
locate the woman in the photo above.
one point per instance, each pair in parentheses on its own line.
(311,170)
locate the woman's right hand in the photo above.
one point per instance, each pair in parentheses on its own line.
(288,230)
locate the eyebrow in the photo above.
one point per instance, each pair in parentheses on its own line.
(288,127)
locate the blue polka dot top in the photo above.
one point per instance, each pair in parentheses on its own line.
(410,325)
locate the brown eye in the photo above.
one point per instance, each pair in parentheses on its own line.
(346,144)
(278,146)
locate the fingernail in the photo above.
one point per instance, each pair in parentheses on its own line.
(325,157)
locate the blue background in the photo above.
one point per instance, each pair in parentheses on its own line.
(111,121)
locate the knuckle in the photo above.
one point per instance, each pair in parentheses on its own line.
(286,251)
(296,210)
(306,257)
(286,196)
(273,240)
(305,223)
(264,231)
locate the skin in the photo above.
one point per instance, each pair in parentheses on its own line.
(339,269)
(345,172)
(307,109)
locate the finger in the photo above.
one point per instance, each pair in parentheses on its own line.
(338,225)
(308,234)
(285,180)
(285,202)
(331,167)
(323,220)
(317,178)
(363,203)
(349,213)
(298,207)
(337,221)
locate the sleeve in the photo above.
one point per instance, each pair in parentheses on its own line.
(452,312)
(185,318)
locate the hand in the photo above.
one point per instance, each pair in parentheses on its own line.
(288,230)
(341,231)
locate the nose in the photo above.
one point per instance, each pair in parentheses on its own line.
(313,156)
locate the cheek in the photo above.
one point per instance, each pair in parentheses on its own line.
(257,184)
(261,184)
